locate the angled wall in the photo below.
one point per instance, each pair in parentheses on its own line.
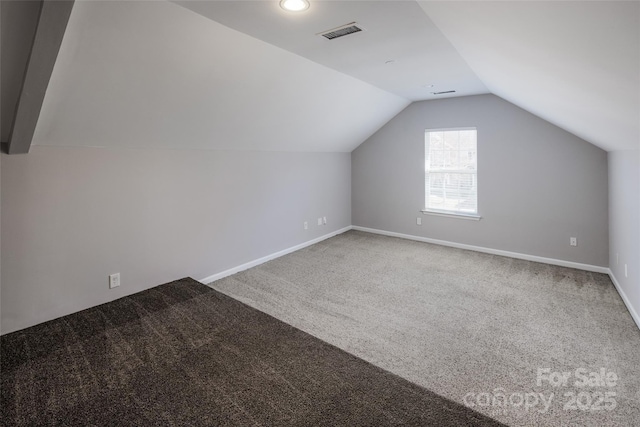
(152,74)
(72,216)
(538,185)
(624,225)
(169,145)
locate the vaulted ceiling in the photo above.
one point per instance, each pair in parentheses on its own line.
(576,64)
(248,75)
(149,74)
(400,50)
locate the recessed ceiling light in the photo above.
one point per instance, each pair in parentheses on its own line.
(294,5)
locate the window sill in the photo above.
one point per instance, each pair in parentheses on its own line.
(471,217)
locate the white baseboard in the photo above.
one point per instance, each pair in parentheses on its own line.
(625,299)
(552,261)
(576,265)
(264,259)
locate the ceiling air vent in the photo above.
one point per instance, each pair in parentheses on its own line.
(442,93)
(344,30)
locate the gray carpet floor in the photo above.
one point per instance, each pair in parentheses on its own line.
(476,328)
(183,354)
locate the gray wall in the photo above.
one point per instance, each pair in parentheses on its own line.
(72,216)
(18,24)
(624,222)
(538,185)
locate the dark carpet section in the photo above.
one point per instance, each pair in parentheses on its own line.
(184,354)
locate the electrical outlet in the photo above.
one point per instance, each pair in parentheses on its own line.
(324,220)
(573,241)
(419,221)
(306,225)
(114,280)
(626,273)
(319,221)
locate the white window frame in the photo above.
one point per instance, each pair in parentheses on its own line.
(443,212)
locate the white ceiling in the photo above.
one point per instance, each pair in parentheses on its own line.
(576,64)
(151,74)
(248,75)
(397,31)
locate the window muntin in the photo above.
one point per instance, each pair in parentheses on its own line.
(451,171)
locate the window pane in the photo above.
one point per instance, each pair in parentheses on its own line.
(451,140)
(468,160)
(436,160)
(436,140)
(452,191)
(454,160)
(450,177)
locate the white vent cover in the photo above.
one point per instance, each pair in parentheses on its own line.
(341,31)
(442,93)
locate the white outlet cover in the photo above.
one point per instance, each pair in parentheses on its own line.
(419,221)
(306,225)
(319,221)
(114,280)
(626,273)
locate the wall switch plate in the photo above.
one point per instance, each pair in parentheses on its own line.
(419,221)
(573,241)
(319,221)
(114,280)
(324,220)
(306,225)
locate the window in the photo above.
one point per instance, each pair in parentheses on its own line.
(451,171)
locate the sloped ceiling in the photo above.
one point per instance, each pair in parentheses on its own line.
(399,50)
(247,75)
(574,63)
(148,74)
